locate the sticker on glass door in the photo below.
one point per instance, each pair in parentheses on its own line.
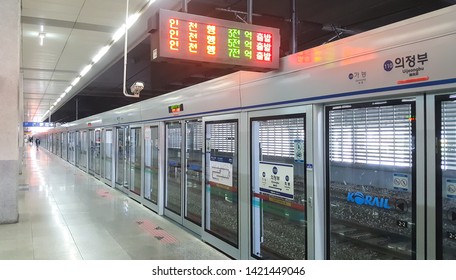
(277,179)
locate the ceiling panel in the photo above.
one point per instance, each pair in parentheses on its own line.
(37,96)
(46,56)
(77,29)
(81,47)
(108,12)
(36,74)
(56,87)
(35,86)
(52,9)
(64,75)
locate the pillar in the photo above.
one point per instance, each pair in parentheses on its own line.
(10,32)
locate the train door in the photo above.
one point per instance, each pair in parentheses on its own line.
(153,194)
(122,152)
(221,193)
(94,152)
(173,165)
(183,180)
(442,175)
(107,156)
(64,137)
(57,144)
(281,220)
(97,153)
(83,162)
(78,149)
(193,175)
(375,180)
(91,151)
(71,147)
(49,142)
(134,166)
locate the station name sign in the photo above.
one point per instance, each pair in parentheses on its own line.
(197,38)
(38,124)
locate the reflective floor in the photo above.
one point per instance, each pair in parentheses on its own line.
(66,214)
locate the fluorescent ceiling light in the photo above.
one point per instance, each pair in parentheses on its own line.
(58,99)
(85,70)
(75,81)
(132,19)
(68,89)
(100,54)
(63,95)
(119,33)
(41,35)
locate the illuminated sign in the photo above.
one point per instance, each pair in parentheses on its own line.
(176,108)
(198,38)
(38,124)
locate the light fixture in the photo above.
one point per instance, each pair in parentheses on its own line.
(42,35)
(100,54)
(75,81)
(85,70)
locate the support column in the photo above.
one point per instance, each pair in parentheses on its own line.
(10,33)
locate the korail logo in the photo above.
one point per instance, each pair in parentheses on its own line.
(374,201)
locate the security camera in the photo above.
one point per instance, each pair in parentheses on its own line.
(136,88)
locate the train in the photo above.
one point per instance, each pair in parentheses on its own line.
(348,151)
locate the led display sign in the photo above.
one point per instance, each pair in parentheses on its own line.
(176,108)
(197,38)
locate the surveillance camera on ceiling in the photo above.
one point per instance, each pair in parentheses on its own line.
(136,88)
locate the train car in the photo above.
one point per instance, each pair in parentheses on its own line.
(346,152)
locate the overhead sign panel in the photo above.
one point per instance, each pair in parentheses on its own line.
(197,38)
(38,124)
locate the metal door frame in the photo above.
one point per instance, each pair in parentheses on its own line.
(432,165)
(420,167)
(98,176)
(159,207)
(73,157)
(81,138)
(109,182)
(121,187)
(313,223)
(243,190)
(137,197)
(90,151)
(166,212)
(186,222)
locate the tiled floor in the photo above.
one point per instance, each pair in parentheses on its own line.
(66,214)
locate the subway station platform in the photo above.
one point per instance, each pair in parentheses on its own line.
(66,214)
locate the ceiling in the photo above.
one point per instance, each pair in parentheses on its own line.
(74,32)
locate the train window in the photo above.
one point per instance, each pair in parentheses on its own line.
(108,154)
(278,188)
(193,172)
(173,196)
(446,177)
(134,159)
(371,180)
(372,135)
(221,193)
(151,166)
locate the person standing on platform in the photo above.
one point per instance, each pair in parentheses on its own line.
(37,142)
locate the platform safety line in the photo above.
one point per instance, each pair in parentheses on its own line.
(160,234)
